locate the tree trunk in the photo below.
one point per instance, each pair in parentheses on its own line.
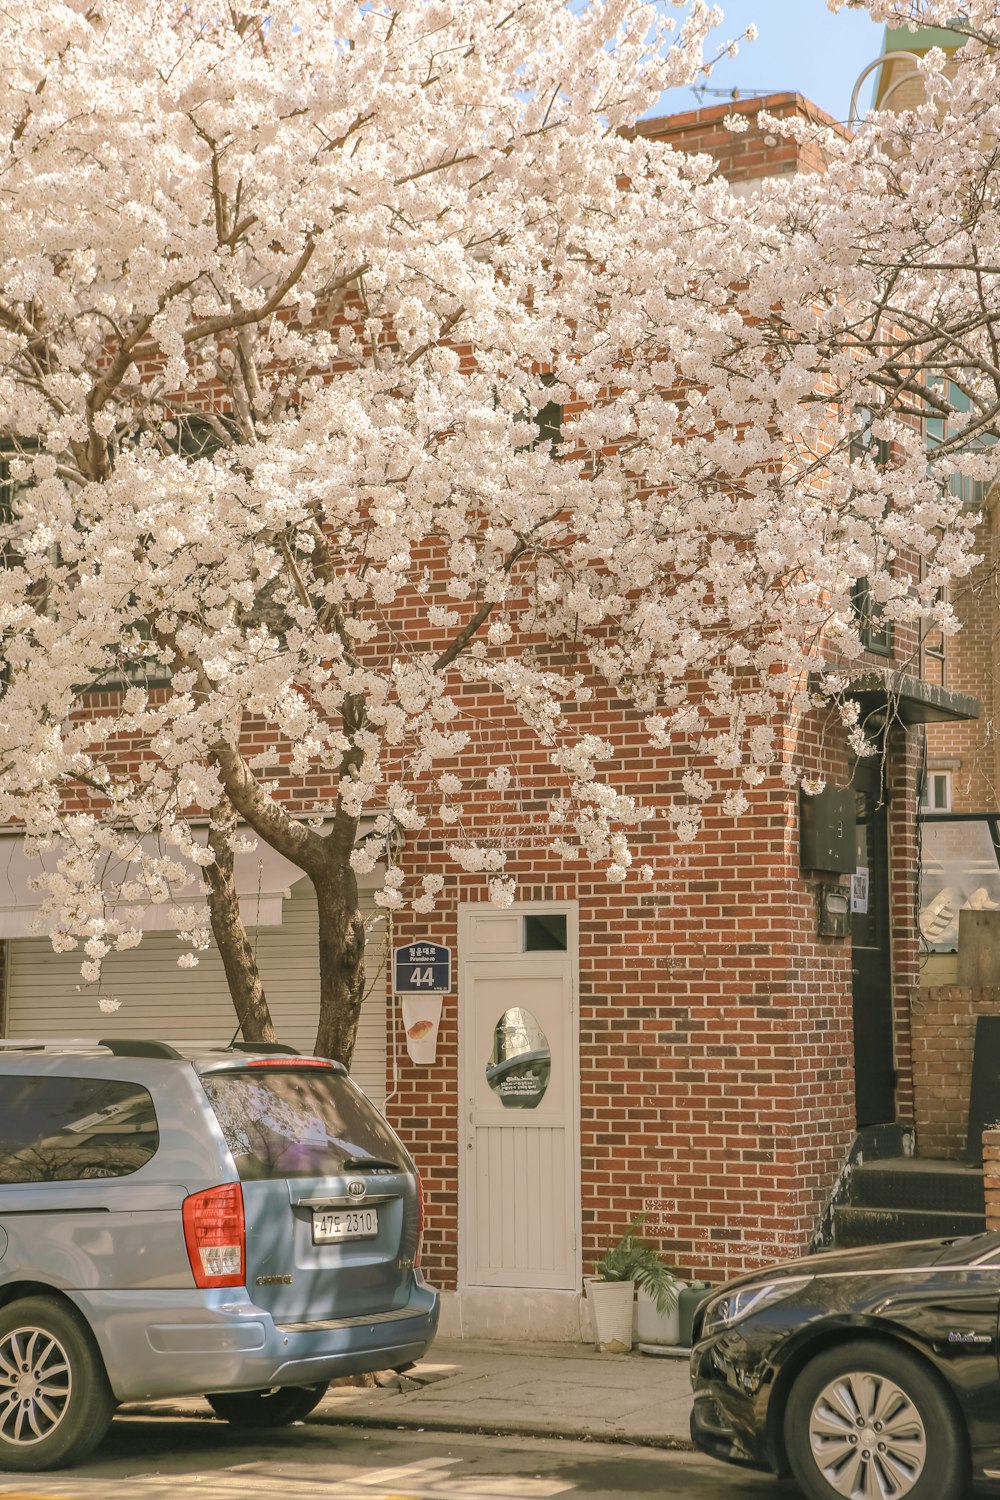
(326,859)
(238,958)
(341,962)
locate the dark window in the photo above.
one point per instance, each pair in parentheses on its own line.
(549,418)
(874,630)
(285,1123)
(940,427)
(545,933)
(9,555)
(933,649)
(136,666)
(198,436)
(65,1129)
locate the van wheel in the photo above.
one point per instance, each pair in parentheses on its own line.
(276,1407)
(866,1418)
(55,1401)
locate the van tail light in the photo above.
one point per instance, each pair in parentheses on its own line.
(420,1219)
(215,1235)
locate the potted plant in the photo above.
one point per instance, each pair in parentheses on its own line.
(631,1262)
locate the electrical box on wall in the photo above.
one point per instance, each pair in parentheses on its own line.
(826,830)
(834,910)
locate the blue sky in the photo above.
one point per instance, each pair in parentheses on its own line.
(801,47)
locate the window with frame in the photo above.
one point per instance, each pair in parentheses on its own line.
(10,450)
(938,428)
(874,631)
(10,554)
(547,420)
(936,792)
(933,648)
(138,665)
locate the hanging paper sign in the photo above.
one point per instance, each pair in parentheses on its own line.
(421,969)
(422,1022)
(859,890)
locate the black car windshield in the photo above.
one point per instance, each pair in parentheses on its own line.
(284,1123)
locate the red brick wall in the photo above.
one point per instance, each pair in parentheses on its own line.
(715,1031)
(944,1034)
(746,155)
(991,1177)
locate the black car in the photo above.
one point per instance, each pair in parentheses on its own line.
(867,1373)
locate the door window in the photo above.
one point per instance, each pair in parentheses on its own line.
(520,1063)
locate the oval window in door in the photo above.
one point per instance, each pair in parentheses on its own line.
(520,1063)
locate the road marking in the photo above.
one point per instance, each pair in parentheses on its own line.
(34,1495)
(425,1479)
(418,1469)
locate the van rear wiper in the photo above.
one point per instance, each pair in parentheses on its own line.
(371,1164)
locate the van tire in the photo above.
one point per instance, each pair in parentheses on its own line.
(277,1407)
(55,1401)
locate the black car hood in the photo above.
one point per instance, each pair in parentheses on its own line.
(911,1253)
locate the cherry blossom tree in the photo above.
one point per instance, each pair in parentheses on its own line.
(355,358)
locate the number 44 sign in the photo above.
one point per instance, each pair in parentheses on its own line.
(421,969)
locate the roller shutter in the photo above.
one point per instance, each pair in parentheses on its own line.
(44,997)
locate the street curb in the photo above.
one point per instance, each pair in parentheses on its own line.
(502,1429)
(394,1422)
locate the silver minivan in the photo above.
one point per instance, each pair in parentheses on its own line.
(233,1221)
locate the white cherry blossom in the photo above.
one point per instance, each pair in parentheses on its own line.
(369,384)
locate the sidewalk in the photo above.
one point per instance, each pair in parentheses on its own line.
(536,1390)
(542,1390)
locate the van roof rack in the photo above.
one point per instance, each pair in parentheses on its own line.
(126,1046)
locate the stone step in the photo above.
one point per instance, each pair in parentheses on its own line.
(854,1225)
(917,1183)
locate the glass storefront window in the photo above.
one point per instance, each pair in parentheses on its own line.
(959,871)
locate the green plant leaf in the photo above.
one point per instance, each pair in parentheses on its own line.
(632,1258)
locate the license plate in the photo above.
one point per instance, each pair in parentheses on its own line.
(332,1225)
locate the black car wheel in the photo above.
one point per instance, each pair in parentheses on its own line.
(867,1421)
(273,1408)
(55,1401)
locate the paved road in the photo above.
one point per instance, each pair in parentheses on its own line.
(147,1458)
(165,1459)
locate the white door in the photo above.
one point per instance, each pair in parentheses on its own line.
(519,1175)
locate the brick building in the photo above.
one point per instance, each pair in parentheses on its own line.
(702,1049)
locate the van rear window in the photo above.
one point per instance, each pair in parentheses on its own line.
(285,1123)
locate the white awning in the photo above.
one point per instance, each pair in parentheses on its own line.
(263,880)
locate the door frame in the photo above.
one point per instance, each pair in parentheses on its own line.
(466,959)
(872,992)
